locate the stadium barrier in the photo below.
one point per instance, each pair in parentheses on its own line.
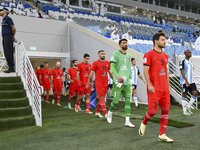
(33,89)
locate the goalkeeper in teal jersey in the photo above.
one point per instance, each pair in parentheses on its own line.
(120,66)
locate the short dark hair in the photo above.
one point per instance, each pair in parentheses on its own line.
(45,62)
(100,51)
(73,61)
(41,66)
(132,59)
(86,55)
(157,36)
(122,40)
(64,69)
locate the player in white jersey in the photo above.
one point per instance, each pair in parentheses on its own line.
(187,83)
(134,80)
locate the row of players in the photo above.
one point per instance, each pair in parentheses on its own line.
(156,75)
(54,79)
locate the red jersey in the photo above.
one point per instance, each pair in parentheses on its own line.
(101,72)
(72,73)
(57,76)
(45,73)
(158,65)
(37,72)
(84,70)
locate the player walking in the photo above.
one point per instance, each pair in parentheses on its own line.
(57,82)
(187,83)
(83,72)
(101,68)
(157,77)
(71,76)
(45,74)
(120,66)
(134,80)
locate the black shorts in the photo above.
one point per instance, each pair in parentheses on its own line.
(191,88)
(134,87)
(110,86)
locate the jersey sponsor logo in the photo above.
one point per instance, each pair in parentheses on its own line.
(86,75)
(46,76)
(145,60)
(163,73)
(112,58)
(104,74)
(124,68)
(58,77)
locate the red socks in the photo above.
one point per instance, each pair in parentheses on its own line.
(98,108)
(78,103)
(47,98)
(54,95)
(163,119)
(101,105)
(69,99)
(87,105)
(58,98)
(150,113)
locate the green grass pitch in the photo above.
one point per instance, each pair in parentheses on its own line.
(63,129)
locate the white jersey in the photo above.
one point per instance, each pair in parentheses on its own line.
(110,81)
(187,66)
(134,75)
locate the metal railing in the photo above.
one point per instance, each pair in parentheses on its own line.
(33,89)
(175,88)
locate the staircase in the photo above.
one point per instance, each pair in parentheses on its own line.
(15,111)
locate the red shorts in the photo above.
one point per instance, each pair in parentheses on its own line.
(101,91)
(82,90)
(57,88)
(158,99)
(46,86)
(72,90)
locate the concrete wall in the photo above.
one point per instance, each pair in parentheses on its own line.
(46,35)
(85,41)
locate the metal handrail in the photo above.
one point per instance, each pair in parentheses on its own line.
(33,89)
(176,91)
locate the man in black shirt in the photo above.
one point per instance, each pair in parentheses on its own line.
(8,32)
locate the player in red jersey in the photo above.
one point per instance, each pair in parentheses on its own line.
(57,82)
(83,72)
(71,76)
(101,68)
(37,73)
(45,80)
(158,90)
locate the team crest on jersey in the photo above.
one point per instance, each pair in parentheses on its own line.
(124,68)
(145,60)
(128,58)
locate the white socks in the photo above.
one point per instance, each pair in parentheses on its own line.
(127,119)
(192,100)
(184,104)
(135,100)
